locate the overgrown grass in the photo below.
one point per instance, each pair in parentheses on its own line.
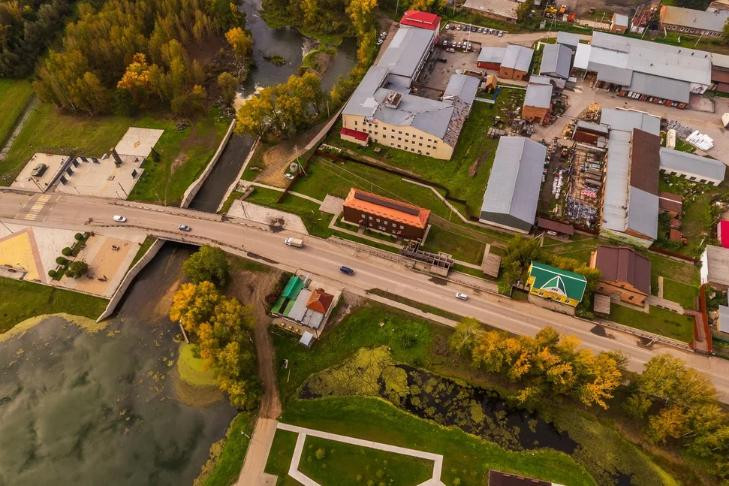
(436,311)
(466,459)
(657,321)
(143,248)
(14,97)
(279,457)
(678,292)
(183,153)
(192,369)
(21,300)
(226,455)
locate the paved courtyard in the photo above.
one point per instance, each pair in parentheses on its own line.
(262,214)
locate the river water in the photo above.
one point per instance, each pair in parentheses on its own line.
(290,45)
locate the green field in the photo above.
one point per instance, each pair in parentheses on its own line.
(21,300)
(14,97)
(317,222)
(658,321)
(466,459)
(678,292)
(330,462)
(183,153)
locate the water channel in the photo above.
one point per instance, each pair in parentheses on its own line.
(106,407)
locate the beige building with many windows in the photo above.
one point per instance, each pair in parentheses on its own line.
(382,109)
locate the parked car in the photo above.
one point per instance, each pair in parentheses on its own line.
(346,270)
(461,296)
(501,33)
(119,218)
(449,26)
(458,26)
(184,227)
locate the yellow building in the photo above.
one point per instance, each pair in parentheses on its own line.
(382,109)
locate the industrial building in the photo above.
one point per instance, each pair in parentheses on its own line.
(715,267)
(512,61)
(512,193)
(568,39)
(693,22)
(555,284)
(383,110)
(537,103)
(630,198)
(720,72)
(625,274)
(423,20)
(556,61)
(385,215)
(692,167)
(643,70)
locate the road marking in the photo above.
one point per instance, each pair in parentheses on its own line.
(34,211)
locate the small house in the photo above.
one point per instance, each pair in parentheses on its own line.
(619,23)
(624,274)
(537,103)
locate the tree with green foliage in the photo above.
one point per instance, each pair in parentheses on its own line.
(77,269)
(228,84)
(207,264)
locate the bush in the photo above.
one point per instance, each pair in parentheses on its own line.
(67,252)
(62,260)
(320,453)
(79,237)
(52,274)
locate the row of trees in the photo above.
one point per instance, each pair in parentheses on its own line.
(26,29)
(547,364)
(134,53)
(219,326)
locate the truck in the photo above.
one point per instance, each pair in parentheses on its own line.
(296,242)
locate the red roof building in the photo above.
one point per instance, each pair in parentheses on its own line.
(723,233)
(424,20)
(319,301)
(386,215)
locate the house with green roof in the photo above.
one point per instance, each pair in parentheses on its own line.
(556,284)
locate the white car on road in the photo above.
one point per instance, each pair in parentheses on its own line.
(461,296)
(119,218)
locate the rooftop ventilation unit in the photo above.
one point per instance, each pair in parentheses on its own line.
(392,100)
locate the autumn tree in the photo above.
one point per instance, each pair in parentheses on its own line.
(240,42)
(228,84)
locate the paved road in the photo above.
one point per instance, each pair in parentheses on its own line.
(323,258)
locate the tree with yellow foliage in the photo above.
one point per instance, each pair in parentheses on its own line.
(240,41)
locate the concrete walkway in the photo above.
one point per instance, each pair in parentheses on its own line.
(278,189)
(254,465)
(304,432)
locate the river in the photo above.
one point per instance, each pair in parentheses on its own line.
(102,407)
(290,45)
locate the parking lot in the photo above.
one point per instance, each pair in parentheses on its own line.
(442,64)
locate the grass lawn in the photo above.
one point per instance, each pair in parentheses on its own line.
(466,459)
(473,146)
(14,96)
(316,222)
(658,321)
(330,462)
(183,153)
(682,272)
(148,242)
(681,293)
(21,300)
(226,455)
(279,457)
(192,369)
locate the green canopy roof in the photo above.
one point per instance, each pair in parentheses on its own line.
(554,279)
(293,287)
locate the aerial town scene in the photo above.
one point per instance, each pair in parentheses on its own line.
(364,243)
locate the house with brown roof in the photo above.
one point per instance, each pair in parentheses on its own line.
(385,215)
(319,301)
(625,274)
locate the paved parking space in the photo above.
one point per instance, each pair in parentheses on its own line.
(54,164)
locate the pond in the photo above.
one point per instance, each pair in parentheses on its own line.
(101,407)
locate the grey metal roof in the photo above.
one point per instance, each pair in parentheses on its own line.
(617,176)
(536,79)
(299,308)
(556,60)
(517,57)
(582,56)
(568,39)
(462,86)
(672,89)
(629,120)
(724,318)
(620,19)
(595,127)
(720,60)
(612,74)
(407,49)
(663,60)
(643,212)
(430,116)
(692,165)
(715,265)
(516,178)
(710,20)
(492,54)
(362,102)
(538,95)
